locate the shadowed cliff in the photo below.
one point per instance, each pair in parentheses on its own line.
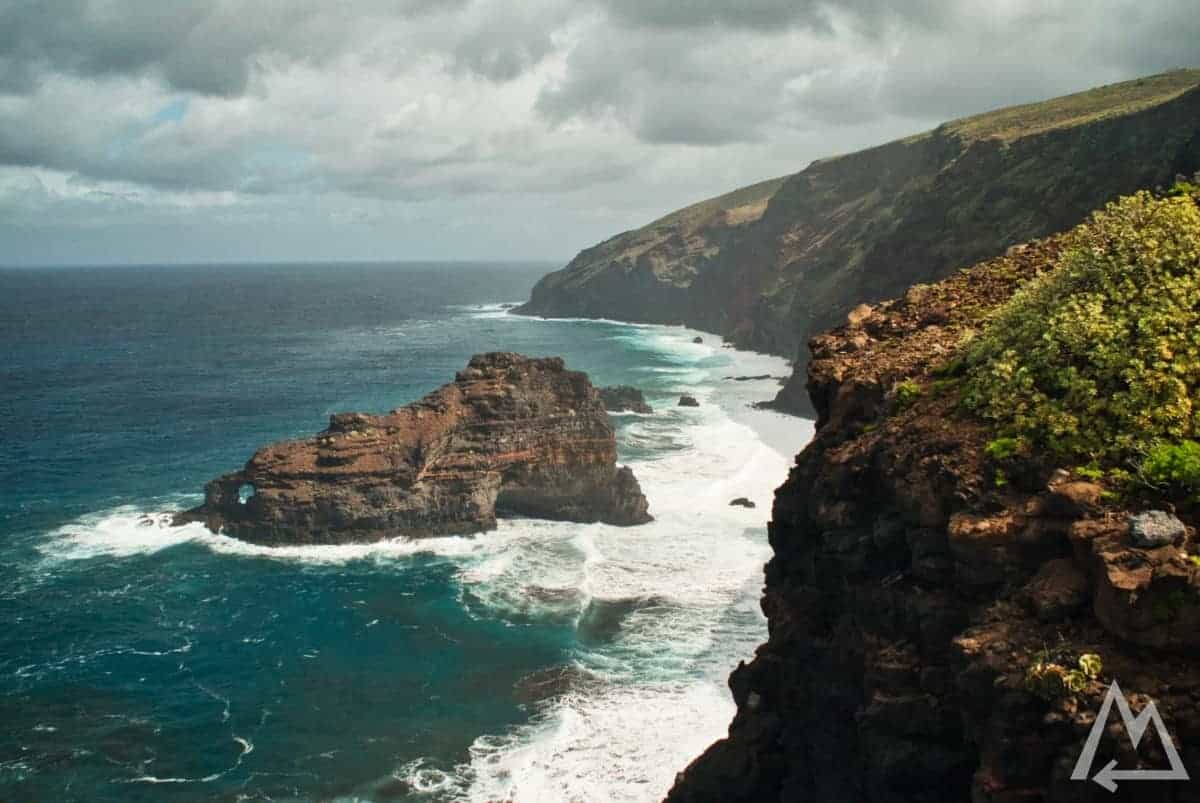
(959,570)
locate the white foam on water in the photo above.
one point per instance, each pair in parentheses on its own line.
(671,605)
(664,611)
(624,745)
(128,531)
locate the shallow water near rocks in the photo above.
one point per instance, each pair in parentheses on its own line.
(543,661)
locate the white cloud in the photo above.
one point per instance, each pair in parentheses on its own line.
(539,126)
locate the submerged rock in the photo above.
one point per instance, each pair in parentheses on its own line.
(742,501)
(688,401)
(522,435)
(697,339)
(624,398)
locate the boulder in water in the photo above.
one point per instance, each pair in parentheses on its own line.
(624,398)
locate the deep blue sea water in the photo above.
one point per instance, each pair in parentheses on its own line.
(540,662)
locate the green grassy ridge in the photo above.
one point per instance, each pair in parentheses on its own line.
(1080,108)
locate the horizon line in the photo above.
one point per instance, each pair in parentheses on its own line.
(281,262)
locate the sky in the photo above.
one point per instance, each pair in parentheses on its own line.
(167,131)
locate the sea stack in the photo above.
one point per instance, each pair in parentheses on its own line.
(521,435)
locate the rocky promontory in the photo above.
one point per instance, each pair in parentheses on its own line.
(949,601)
(511,435)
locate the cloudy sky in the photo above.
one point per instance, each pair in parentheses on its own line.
(219,130)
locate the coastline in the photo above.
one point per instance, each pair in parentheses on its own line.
(641,626)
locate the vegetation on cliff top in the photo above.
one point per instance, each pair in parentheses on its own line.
(1099,358)
(1113,100)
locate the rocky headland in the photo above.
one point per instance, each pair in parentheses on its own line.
(770,265)
(510,435)
(951,593)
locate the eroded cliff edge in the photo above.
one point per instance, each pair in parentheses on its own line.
(772,264)
(927,614)
(513,434)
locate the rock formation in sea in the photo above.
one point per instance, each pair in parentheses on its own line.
(769,265)
(944,627)
(511,434)
(624,398)
(688,401)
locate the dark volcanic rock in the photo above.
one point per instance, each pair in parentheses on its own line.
(623,398)
(697,339)
(753,378)
(742,501)
(908,597)
(688,401)
(521,435)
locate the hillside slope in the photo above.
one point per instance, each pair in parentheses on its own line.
(770,265)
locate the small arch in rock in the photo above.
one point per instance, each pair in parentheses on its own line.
(245,492)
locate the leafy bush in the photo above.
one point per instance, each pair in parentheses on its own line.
(907,393)
(1100,358)
(1183,186)
(1050,680)
(1174,465)
(1002,449)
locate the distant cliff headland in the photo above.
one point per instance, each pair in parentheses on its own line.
(769,265)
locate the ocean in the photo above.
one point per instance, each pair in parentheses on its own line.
(543,661)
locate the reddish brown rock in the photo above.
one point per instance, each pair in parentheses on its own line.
(513,434)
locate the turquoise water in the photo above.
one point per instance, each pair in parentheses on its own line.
(542,661)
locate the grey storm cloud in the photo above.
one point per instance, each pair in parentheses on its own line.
(772,15)
(193,45)
(576,117)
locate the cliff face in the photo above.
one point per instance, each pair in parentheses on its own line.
(924,618)
(790,258)
(511,433)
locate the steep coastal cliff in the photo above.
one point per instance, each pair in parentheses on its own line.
(511,433)
(772,264)
(953,588)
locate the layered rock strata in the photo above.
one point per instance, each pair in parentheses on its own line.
(511,435)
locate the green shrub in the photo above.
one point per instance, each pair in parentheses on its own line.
(1002,449)
(1174,465)
(1183,186)
(1100,358)
(951,368)
(1051,680)
(907,393)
